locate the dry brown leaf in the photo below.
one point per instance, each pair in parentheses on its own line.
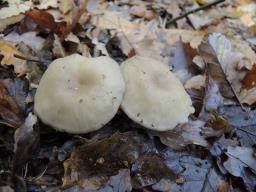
(29,38)
(9,21)
(249,80)
(46,20)
(146,39)
(27,139)
(58,49)
(111,20)
(13,10)
(225,63)
(224,186)
(196,82)
(9,50)
(9,110)
(183,135)
(248,96)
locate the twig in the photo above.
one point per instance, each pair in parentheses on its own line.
(206,6)
(27,59)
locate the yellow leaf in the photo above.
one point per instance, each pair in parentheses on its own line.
(8,50)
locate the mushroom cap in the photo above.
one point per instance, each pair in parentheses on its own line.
(154,96)
(78,94)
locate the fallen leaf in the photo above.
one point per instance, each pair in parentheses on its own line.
(58,48)
(18,90)
(205,18)
(9,50)
(46,20)
(4,23)
(244,156)
(248,96)
(106,149)
(27,139)
(249,80)
(146,39)
(222,62)
(244,126)
(120,151)
(224,186)
(45,4)
(213,99)
(228,59)
(198,175)
(120,182)
(196,82)
(183,135)
(180,63)
(13,10)
(148,170)
(66,6)
(9,110)
(232,61)
(29,38)
(239,159)
(72,38)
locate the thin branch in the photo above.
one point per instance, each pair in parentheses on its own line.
(206,6)
(27,59)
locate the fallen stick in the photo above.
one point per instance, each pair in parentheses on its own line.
(206,6)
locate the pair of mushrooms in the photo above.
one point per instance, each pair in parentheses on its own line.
(78,94)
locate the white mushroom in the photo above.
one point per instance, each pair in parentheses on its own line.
(154,97)
(78,94)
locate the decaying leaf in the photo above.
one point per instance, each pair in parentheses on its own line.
(183,135)
(107,155)
(45,4)
(30,39)
(248,96)
(197,175)
(9,110)
(244,156)
(18,90)
(249,80)
(180,63)
(13,10)
(196,82)
(120,182)
(146,39)
(239,159)
(245,125)
(46,20)
(9,50)
(226,60)
(4,23)
(104,158)
(122,156)
(213,99)
(27,140)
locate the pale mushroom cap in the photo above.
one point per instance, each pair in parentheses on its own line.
(154,96)
(78,94)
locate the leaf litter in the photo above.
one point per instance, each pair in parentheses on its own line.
(208,44)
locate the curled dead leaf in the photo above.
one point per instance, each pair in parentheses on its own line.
(9,110)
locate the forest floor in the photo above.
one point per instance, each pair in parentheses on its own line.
(210,46)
